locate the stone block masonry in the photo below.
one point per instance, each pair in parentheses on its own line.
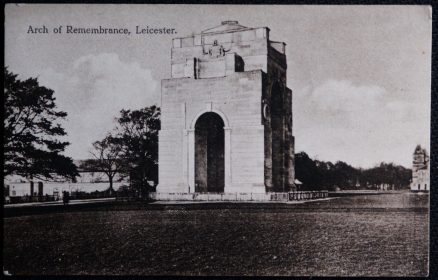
(226,115)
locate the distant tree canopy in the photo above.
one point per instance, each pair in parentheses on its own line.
(315,174)
(31,128)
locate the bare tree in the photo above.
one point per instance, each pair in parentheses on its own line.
(107,159)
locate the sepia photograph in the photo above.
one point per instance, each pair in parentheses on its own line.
(217,140)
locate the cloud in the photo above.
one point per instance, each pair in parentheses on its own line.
(359,124)
(93,92)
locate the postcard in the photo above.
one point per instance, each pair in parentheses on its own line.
(217,140)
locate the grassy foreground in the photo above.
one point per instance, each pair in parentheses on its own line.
(344,236)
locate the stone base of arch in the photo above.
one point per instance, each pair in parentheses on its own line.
(244,169)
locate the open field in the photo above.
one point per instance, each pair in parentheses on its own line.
(365,235)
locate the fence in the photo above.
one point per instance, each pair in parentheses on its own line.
(305,195)
(93,195)
(28,199)
(47,198)
(281,196)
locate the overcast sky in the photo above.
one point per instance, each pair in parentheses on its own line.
(360,75)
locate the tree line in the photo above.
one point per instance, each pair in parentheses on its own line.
(316,175)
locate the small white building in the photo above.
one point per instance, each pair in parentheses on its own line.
(420,171)
(87,181)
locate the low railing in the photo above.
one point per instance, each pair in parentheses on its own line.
(278,196)
(305,195)
(48,198)
(29,199)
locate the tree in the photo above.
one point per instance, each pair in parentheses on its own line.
(345,176)
(31,131)
(306,171)
(387,173)
(107,159)
(317,174)
(137,133)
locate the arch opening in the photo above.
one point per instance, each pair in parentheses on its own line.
(209,153)
(277,128)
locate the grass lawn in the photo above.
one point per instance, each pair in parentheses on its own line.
(344,236)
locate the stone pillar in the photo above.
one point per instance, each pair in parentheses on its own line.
(268,157)
(191,159)
(230,63)
(227,158)
(40,189)
(31,188)
(185,161)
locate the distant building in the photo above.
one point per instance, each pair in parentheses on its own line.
(420,170)
(88,182)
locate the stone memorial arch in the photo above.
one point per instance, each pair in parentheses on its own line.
(226,114)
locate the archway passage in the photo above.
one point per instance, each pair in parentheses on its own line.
(209,153)
(277,127)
